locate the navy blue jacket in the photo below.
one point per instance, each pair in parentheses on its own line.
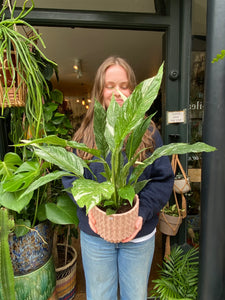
(153,196)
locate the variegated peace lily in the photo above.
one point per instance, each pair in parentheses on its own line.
(111,128)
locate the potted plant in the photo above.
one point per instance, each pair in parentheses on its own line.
(30,238)
(170,219)
(111,130)
(19,66)
(181,184)
(178,276)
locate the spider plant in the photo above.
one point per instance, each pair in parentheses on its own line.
(25,64)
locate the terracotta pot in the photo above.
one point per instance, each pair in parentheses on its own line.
(116,227)
(182,185)
(169,225)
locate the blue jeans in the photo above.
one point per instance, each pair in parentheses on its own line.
(106,264)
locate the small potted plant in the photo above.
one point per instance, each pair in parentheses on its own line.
(111,130)
(182,184)
(170,219)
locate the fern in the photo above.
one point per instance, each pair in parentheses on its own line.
(178,275)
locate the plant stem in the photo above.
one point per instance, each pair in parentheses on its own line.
(36,208)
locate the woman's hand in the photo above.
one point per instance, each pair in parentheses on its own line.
(138,227)
(92,221)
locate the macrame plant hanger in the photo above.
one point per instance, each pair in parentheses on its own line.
(182,213)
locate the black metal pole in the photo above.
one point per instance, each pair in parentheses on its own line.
(212,240)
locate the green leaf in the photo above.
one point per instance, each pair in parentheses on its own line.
(41,213)
(84,148)
(170,149)
(57,96)
(51,139)
(67,123)
(127,192)
(111,119)
(10,164)
(43,180)
(58,119)
(99,128)
(138,186)
(49,127)
(90,193)
(64,212)
(23,177)
(133,110)
(14,201)
(62,158)
(22,227)
(135,138)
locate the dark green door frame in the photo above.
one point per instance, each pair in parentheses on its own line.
(177,52)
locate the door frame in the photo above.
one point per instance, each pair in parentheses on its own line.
(172,17)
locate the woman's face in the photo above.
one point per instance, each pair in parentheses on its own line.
(115,80)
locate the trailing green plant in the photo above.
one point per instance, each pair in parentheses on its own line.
(56,122)
(112,128)
(26,64)
(178,275)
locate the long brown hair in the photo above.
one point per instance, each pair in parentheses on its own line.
(85,133)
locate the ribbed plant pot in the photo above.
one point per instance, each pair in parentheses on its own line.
(169,225)
(116,227)
(182,185)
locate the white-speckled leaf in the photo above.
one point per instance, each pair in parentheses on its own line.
(90,193)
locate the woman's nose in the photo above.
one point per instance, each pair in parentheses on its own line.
(116,92)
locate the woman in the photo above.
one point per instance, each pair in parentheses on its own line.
(127,264)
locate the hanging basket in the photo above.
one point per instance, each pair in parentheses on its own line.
(14,94)
(169,225)
(66,275)
(182,185)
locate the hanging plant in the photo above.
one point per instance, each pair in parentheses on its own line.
(19,67)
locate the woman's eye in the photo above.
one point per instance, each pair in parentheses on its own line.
(109,87)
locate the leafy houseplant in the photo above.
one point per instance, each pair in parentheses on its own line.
(18,57)
(172,210)
(112,128)
(178,276)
